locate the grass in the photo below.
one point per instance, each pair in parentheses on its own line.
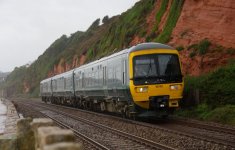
(193,46)
(223,114)
(200,48)
(172,19)
(218,48)
(192,54)
(180,48)
(203,46)
(182,34)
(159,14)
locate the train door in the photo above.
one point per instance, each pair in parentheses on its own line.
(83,83)
(105,81)
(124,73)
(73,80)
(124,79)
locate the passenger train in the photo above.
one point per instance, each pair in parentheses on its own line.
(144,80)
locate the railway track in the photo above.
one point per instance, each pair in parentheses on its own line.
(113,138)
(170,127)
(141,127)
(210,127)
(88,143)
(78,134)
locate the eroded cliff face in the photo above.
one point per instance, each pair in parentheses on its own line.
(204,64)
(200,19)
(212,19)
(64,66)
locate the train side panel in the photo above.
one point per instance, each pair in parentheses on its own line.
(103,83)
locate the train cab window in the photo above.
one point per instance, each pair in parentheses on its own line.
(145,67)
(156,68)
(169,65)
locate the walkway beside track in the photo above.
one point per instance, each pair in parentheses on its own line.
(8,120)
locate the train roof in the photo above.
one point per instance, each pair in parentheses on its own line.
(104,58)
(45,80)
(63,74)
(142,46)
(151,45)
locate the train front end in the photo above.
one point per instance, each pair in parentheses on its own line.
(156,81)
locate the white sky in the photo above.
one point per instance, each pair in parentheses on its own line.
(28,27)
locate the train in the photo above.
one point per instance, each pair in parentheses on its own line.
(144,80)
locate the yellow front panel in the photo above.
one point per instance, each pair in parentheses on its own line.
(141,95)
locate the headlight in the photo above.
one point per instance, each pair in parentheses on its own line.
(141,89)
(175,87)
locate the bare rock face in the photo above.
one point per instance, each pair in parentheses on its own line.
(64,66)
(203,64)
(212,19)
(205,19)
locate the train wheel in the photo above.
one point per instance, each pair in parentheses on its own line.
(127,113)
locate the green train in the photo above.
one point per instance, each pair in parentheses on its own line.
(144,80)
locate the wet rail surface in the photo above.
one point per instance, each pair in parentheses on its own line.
(168,132)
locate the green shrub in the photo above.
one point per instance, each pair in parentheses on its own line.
(151,36)
(90,53)
(180,48)
(193,46)
(192,82)
(182,34)
(218,88)
(94,25)
(219,48)
(192,54)
(203,46)
(105,19)
(231,51)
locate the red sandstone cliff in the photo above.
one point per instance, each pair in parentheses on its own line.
(199,19)
(212,19)
(63,66)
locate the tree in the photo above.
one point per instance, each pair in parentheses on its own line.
(105,19)
(95,24)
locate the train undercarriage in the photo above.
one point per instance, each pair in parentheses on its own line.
(123,108)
